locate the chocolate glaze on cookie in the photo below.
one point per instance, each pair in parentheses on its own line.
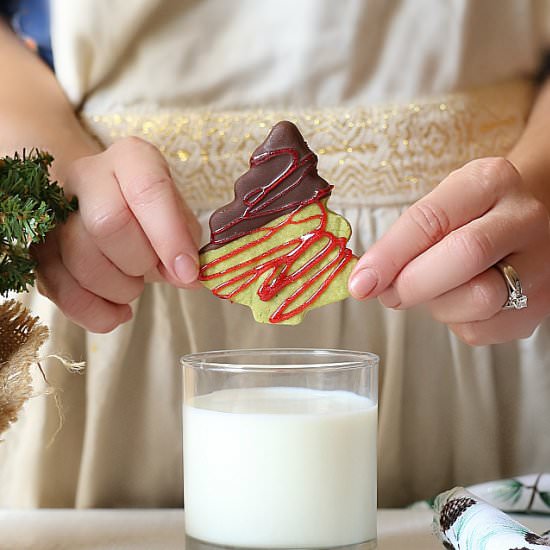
(282,177)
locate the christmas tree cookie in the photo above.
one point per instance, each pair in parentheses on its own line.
(276,247)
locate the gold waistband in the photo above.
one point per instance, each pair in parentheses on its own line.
(377,155)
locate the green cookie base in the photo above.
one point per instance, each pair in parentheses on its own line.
(262,310)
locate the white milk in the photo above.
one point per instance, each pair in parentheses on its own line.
(280,467)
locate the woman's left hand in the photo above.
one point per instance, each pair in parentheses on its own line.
(442,251)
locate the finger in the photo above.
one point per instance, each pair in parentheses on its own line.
(91,269)
(81,306)
(109,220)
(460,198)
(479,299)
(534,273)
(145,181)
(458,258)
(160,274)
(506,325)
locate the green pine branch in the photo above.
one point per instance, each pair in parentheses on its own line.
(30,206)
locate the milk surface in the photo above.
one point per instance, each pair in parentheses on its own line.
(280,468)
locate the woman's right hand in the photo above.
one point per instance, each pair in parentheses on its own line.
(132,226)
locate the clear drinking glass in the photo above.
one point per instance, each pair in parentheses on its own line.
(280,449)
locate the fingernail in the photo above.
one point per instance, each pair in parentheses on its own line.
(362,283)
(186,268)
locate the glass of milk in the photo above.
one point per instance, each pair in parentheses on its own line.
(280,449)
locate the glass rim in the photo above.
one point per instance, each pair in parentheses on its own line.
(213,360)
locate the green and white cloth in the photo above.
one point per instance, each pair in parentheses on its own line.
(462,520)
(529,493)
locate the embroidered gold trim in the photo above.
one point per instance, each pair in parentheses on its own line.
(376,155)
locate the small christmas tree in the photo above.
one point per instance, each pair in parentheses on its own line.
(30,206)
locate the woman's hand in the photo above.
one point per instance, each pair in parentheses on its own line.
(131,226)
(442,250)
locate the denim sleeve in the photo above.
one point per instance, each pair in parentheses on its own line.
(30,19)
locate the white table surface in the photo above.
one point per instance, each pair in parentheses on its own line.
(164,529)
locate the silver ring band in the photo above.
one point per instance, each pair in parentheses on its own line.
(516,298)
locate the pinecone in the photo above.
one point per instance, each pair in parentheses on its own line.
(453,510)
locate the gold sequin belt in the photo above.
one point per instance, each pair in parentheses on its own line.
(375,155)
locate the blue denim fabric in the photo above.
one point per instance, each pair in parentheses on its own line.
(30,19)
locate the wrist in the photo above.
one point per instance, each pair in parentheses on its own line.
(533,169)
(74,143)
(63,137)
(530,154)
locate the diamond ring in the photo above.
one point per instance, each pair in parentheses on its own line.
(516,298)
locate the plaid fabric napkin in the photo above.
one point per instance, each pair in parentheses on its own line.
(462,521)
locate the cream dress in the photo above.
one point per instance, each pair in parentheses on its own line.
(392,95)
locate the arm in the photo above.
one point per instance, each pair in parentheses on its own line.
(131,223)
(34,111)
(531,155)
(442,250)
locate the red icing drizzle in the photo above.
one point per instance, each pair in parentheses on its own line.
(280,268)
(258,201)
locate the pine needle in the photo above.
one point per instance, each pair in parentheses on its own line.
(30,206)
